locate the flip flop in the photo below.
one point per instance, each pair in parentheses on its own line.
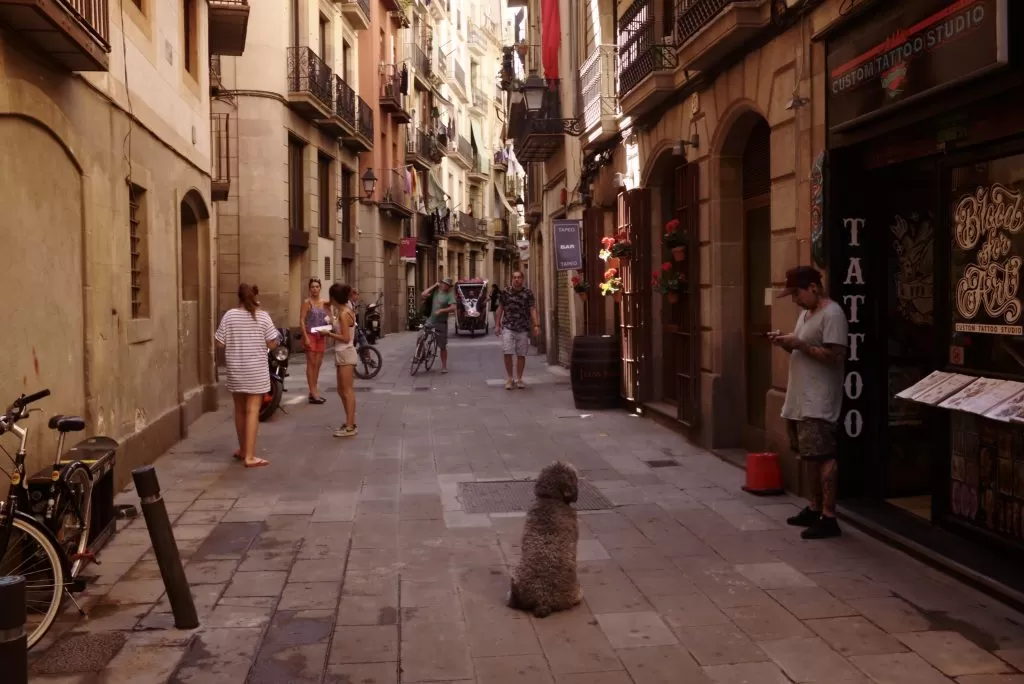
(258,463)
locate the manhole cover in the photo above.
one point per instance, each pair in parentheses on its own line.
(662,463)
(512,496)
(80,653)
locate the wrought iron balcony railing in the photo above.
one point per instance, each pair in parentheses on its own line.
(94,16)
(479,98)
(693,15)
(364,119)
(220,156)
(538,135)
(420,60)
(465,148)
(475,36)
(307,73)
(598,83)
(442,63)
(345,101)
(643,45)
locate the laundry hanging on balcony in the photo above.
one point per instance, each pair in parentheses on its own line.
(405,79)
(550,37)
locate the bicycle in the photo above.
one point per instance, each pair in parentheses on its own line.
(426,349)
(370,361)
(46,542)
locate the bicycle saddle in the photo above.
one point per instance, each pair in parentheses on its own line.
(67,423)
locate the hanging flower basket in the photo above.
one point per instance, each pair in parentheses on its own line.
(583,296)
(678,253)
(672,297)
(667,282)
(581,287)
(674,240)
(618,297)
(612,284)
(612,262)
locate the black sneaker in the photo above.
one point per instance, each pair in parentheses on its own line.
(805,518)
(825,528)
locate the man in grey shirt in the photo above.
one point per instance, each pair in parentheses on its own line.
(814,395)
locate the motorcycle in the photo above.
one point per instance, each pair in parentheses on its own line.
(277,359)
(370,361)
(371,320)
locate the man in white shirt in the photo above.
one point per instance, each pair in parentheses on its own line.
(814,395)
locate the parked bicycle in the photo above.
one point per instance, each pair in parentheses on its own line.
(426,349)
(46,541)
(370,361)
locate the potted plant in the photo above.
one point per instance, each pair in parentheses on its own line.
(612,284)
(674,240)
(615,248)
(667,282)
(581,287)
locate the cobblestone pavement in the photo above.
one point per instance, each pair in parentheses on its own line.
(352,561)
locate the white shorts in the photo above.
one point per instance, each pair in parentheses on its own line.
(515,342)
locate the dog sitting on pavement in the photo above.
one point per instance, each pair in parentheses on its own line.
(545,580)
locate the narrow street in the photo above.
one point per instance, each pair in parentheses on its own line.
(355,561)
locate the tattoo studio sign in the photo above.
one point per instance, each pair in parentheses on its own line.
(987,224)
(854,300)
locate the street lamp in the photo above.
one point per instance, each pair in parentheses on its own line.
(369,186)
(519,204)
(533,90)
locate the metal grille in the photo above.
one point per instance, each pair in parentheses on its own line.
(564,318)
(364,120)
(345,101)
(641,51)
(693,15)
(307,73)
(327,268)
(515,496)
(135,239)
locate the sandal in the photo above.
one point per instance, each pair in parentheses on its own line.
(257,463)
(316,400)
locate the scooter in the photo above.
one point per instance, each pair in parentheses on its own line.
(371,320)
(277,359)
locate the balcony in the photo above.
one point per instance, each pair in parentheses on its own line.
(458,80)
(480,101)
(392,99)
(538,136)
(357,12)
(395,202)
(598,81)
(362,141)
(647,59)
(220,156)
(400,18)
(465,225)
(492,29)
(310,84)
(342,121)
(462,152)
(708,30)
(441,72)
(229,23)
(216,82)
(75,33)
(476,40)
(422,149)
(480,171)
(533,197)
(500,161)
(422,67)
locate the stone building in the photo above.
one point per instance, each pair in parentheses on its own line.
(108,232)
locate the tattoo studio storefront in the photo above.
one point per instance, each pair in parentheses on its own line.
(925,243)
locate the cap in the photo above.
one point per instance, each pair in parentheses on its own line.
(447,281)
(800,278)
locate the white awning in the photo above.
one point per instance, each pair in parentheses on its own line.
(504,200)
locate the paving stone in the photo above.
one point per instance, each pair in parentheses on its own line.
(690,610)
(327,570)
(855,636)
(991,679)
(811,660)
(719,645)
(367,610)
(141,665)
(952,654)
(618,677)
(368,644)
(227,540)
(774,576)
(662,665)
(434,646)
(294,649)
(310,596)
(747,673)
(268,583)
(524,669)
(590,550)
(850,585)
(200,517)
(635,630)
(810,604)
(766,622)
(1014,656)
(227,616)
(495,630)
(899,668)
(892,614)
(217,656)
(212,505)
(263,561)
(362,673)
(573,643)
(657,583)
(210,572)
(135,591)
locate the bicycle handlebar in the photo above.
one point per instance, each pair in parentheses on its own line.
(16,411)
(26,400)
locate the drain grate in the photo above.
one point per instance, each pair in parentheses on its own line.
(514,496)
(80,653)
(663,463)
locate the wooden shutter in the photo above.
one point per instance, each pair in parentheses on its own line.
(593,268)
(634,211)
(685,344)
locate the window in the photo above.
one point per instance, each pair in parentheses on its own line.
(327,269)
(295,23)
(346,208)
(346,57)
(139,250)
(296,194)
(324,37)
(324,180)
(190,31)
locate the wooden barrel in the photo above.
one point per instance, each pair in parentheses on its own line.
(596,370)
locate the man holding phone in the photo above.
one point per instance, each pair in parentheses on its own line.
(442,303)
(814,394)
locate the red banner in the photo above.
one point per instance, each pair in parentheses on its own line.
(550,37)
(407,250)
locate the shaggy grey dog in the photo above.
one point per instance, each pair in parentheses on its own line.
(545,580)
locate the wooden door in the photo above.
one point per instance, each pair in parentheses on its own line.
(634,212)
(392,288)
(758,319)
(593,231)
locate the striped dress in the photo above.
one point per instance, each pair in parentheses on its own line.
(245,350)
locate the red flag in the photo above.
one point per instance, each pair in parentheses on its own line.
(550,37)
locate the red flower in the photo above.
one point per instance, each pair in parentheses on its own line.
(666,267)
(672,226)
(610,273)
(621,236)
(575,281)
(607,242)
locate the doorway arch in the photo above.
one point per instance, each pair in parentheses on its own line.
(742,279)
(195,307)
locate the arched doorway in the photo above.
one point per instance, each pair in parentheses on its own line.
(194,328)
(745,173)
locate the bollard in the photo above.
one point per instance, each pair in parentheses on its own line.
(13,637)
(165,548)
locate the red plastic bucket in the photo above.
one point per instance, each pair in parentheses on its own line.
(764,477)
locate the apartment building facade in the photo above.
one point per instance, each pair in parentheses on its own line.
(301,129)
(109,245)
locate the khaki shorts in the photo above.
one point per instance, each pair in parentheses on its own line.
(515,342)
(813,439)
(346,356)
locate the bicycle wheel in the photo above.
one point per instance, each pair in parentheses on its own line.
(431,353)
(417,358)
(31,554)
(369,363)
(74,514)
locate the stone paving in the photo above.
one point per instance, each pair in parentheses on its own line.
(352,561)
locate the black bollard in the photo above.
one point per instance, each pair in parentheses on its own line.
(165,548)
(13,637)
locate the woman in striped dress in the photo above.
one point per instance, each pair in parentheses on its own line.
(245,333)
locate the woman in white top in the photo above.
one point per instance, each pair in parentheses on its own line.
(345,355)
(245,333)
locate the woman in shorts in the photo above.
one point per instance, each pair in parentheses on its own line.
(313,315)
(345,356)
